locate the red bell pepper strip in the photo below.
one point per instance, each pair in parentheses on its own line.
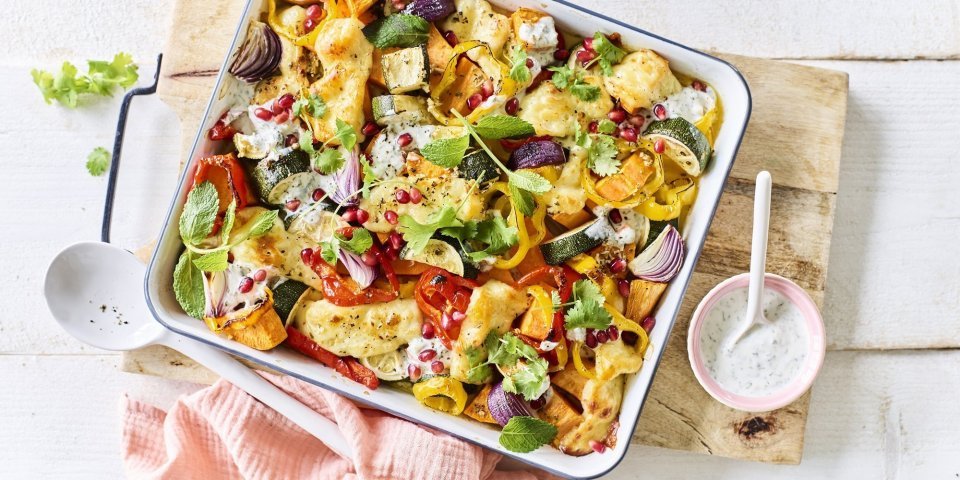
(226,174)
(345,292)
(347,366)
(440,293)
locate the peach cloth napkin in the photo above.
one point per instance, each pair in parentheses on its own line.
(220,432)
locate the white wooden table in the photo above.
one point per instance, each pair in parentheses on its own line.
(885,405)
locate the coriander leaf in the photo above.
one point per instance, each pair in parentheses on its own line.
(397,30)
(446,152)
(369,178)
(312,105)
(215,261)
(496,127)
(199,213)
(228,220)
(586,290)
(519,71)
(606,126)
(498,236)
(585,91)
(587,310)
(556,300)
(523,200)
(464,232)
(330,250)
(562,76)
(523,434)
(346,134)
(101,78)
(98,161)
(528,379)
(188,286)
(104,75)
(359,243)
(306,143)
(417,234)
(602,156)
(581,138)
(479,371)
(607,53)
(508,349)
(529,181)
(328,161)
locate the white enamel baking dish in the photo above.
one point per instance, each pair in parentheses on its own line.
(572,18)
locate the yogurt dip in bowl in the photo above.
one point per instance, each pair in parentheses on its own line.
(774,363)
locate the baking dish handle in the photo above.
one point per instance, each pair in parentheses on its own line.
(117,146)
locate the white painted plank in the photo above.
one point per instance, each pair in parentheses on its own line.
(872,416)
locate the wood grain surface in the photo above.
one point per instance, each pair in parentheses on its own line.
(801,152)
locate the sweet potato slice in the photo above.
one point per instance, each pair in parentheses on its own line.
(477,409)
(634,172)
(644,296)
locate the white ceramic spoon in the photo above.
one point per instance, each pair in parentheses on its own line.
(758,258)
(95,292)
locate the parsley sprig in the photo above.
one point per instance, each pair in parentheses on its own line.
(585,307)
(608,54)
(601,152)
(101,79)
(98,161)
(565,77)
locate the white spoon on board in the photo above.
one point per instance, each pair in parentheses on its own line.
(95,292)
(758,258)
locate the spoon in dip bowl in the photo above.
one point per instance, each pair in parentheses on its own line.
(94,291)
(758,257)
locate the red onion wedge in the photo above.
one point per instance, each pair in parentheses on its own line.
(505,405)
(361,273)
(431,10)
(348,181)
(214,290)
(662,259)
(537,153)
(259,54)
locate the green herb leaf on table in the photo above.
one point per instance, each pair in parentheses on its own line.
(67,87)
(587,310)
(199,213)
(523,434)
(519,71)
(346,134)
(608,54)
(215,261)
(105,75)
(312,105)
(446,152)
(417,234)
(188,285)
(98,161)
(496,127)
(397,30)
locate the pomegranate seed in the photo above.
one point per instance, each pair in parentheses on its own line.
(623,287)
(458,317)
(229,257)
(437,367)
(474,101)
(349,215)
(306,255)
(260,275)
(561,54)
(630,338)
(617,115)
(396,241)
(246,284)
(616,216)
(427,331)
(637,121)
(659,146)
(317,194)
(369,258)
(369,128)
(618,265)
(276,108)
(487,89)
(282,117)
(529,63)
(593,126)
(588,43)
(399,4)
(404,140)
(584,56)
(629,134)
(427,355)
(446,321)
(286,101)
(512,106)
(291,140)
(391,217)
(591,340)
(402,196)
(451,38)
(309,24)
(263,113)
(362,216)
(597,446)
(415,195)
(699,86)
(602,336)
(538,403)
(413,372)
(314,12)
(292,205)
(613,332)
(648,323)
(660,111)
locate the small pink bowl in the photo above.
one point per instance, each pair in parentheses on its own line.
(816,346)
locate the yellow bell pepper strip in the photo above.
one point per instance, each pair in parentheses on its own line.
(678,194)
(518,220)
(622,323)
(562,356)
(578,362)
(441,393)
(502,83)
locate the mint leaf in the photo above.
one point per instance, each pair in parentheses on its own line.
(98,161)
(587,310)
(607,53)
(228,219)
(359,243)
(263,223)
(523,434)
(328,161)
(199,213)
(346,134)
(215,261)
(446,152)
(417,234)
(188,285)
(496,127)
(529,181)
(519,71)
(602,156)
(523,200)
(397,30)
(312,105)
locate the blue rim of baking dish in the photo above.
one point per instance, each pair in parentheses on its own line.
(659,355)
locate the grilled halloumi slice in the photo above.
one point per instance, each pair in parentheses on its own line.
(476,20)
(437,192)
(493,307)
(548,108)
(277,250)
(600,403)
(360,331)
(346,57)
(642,79)
(298,68)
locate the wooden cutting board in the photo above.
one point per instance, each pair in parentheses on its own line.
(795,132)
